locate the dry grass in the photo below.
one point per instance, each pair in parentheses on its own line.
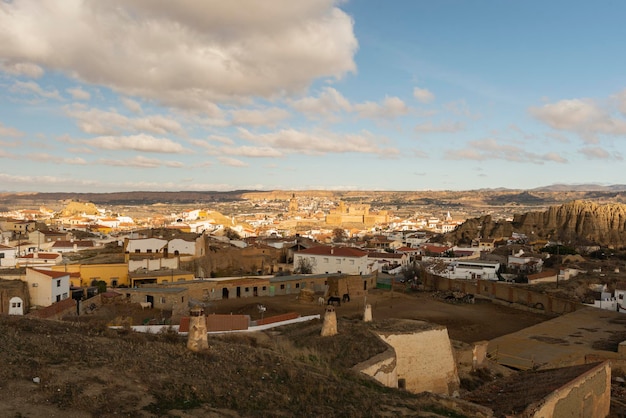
(101,372)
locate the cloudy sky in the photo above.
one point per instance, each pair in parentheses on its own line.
(123,95)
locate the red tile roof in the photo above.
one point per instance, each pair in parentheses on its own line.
(385,255)
(52,274)
(70,244)
(43,256)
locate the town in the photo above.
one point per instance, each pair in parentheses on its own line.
(82,261)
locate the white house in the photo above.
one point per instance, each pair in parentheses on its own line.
(326,260)
(473,269)
(47,287)
(178,246)
(39,259)
(391,263)
(145,245)
(7,256)
(72,246)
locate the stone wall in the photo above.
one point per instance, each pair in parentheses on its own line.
(515,294)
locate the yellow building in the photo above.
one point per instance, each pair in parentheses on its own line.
(114,275)
(355,214)
(151,277)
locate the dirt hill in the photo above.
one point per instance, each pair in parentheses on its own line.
(73,370)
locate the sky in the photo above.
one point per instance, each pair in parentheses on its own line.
(215,95)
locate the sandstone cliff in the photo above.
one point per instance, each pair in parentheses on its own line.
(576,222)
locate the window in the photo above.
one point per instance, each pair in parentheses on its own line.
(326,260)
(114,281)
(64,296)
(247,289)
(149,250)
(282,286)
(58,298)
(162,300)
(35,284)
(137,251)
(297,285)
(338,261)
(58,283)
(264,288)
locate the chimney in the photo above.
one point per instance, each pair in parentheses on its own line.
(332,251)
(197,335)
(367,313)
(329,327)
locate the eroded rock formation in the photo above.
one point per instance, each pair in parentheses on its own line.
(576,222)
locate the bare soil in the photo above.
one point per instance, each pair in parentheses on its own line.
(468,323)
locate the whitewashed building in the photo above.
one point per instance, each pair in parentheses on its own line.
(47,287)
(326,260)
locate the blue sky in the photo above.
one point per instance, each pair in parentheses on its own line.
(316,94)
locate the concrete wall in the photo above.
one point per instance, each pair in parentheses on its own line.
(587,396)
(425,360)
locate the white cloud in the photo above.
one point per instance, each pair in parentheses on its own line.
(21,69)
(79,94)
(34,89)
(140,162)
(242,151)
(222,139)
(429,127)
(6,154)
(423,95)
(319,142)
(43,157)
(102,122)
(598,153)
(390,108)
(581,116)
(132,105)
(191,53)
(232,162)
(39,182)
(254,152)
(328,104)
(259,117)
(140,142)
(7,131)
(491,149)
